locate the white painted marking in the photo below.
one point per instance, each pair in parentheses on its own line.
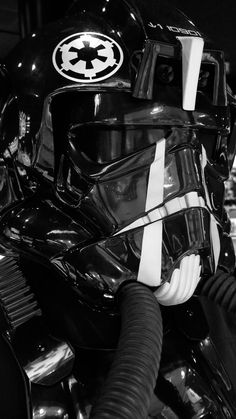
(192,49)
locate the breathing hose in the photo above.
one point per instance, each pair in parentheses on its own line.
(131,380)
(221,288)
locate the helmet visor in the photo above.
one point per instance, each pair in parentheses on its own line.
(105,127)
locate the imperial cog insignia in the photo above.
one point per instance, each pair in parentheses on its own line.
(87,57)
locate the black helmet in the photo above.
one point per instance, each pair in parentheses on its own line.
(122,124)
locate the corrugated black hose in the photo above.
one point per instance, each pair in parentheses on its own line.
(132,378)
(221,288)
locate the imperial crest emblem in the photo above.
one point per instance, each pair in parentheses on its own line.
(87,57)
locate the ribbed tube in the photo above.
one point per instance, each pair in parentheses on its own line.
(16,297)
(221,288)
(132,378)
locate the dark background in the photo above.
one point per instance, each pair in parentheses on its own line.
(216,18)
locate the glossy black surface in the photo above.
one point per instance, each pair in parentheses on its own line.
(108,263)
(15,393)
(45,360)
(52,402)
(192,367)
(76,157)
(75,163)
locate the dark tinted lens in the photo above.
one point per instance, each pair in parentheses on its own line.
(103,144)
